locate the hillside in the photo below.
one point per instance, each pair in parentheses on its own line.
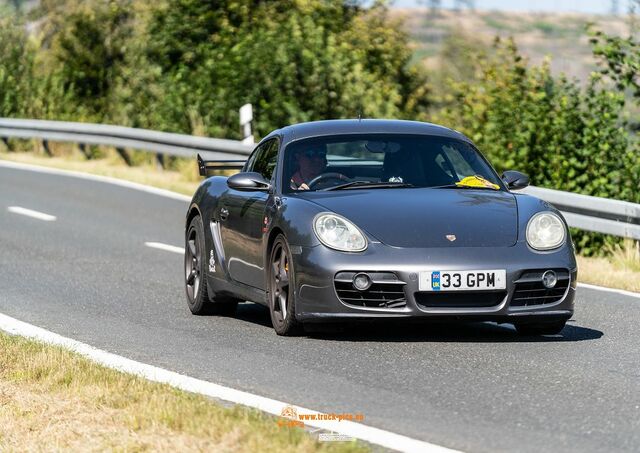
(559,35)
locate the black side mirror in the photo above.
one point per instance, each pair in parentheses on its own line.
(515,180)
(248,181)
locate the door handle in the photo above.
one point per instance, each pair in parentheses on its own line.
(224,213)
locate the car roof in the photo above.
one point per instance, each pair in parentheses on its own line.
(362,126)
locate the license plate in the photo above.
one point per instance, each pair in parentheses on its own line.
(462,280)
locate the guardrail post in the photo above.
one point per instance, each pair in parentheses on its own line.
(5,140)
(160,161)
(83,150)
(123,153)
(45,145)
(246,116)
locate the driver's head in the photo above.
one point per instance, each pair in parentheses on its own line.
(311,161)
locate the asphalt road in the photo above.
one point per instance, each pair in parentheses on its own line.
(478,387)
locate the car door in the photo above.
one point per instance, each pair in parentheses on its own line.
(242,219)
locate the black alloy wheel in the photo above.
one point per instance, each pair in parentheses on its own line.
(200,298)
(282,290)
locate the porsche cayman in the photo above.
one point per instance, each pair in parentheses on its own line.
(347,220)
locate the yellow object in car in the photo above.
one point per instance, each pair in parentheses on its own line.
(477,181)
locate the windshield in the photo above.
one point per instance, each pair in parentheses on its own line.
(384,161)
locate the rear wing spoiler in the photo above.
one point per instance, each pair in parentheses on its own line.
(205,165)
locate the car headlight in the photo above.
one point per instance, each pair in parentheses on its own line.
(545,231)
(338,233)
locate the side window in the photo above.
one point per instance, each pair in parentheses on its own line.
(266,159)
(248,166)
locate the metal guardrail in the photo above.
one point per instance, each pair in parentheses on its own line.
(602,215)
(121,137)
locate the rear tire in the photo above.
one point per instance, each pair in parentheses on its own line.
(281,289)
(199,299)
(546,328)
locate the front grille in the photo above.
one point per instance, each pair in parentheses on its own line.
(386,291)
(529,289)
(461,299)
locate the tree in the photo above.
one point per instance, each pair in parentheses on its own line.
(294,60)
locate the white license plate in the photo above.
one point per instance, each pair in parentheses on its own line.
(437,280)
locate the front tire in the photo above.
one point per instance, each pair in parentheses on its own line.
(546,328)
(281,286)
(199,299)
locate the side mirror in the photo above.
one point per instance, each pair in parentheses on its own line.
(515,180)
(248,181)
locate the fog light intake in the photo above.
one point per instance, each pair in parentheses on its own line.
(549,279)
(362,282)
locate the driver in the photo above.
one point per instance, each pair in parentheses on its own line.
(310,163)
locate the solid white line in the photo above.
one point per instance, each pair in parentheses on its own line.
(105,179)
(166,247)
(610,290)
(348,428)
(31,213)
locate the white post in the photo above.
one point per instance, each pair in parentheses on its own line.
(246,116)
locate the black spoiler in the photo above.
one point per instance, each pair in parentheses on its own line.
(206,165)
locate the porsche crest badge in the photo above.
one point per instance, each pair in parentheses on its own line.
(451,237)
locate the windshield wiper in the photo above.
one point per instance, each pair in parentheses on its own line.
(369,185)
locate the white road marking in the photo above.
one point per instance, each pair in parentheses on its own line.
(105,179)
(165,247)
(609,290)
(348,428)
(31,213)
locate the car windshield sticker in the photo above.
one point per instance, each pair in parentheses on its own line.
(477,181)
(435,281)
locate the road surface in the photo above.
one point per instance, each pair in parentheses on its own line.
(88,275)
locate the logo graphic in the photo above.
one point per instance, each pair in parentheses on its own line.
(451,237)
(435,281)
(289,412)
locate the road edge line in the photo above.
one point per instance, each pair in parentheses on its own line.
(623,292)
(92,177)
(360,431)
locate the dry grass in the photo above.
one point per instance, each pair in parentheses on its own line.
(619,269)
(183,180)
(52,400)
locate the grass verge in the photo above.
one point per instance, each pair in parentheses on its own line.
(620,268)
(183,180)
(52,399)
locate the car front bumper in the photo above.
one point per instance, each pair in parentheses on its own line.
(317,299)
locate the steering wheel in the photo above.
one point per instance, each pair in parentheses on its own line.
(331,176)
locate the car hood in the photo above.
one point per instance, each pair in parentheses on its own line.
(428,217)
